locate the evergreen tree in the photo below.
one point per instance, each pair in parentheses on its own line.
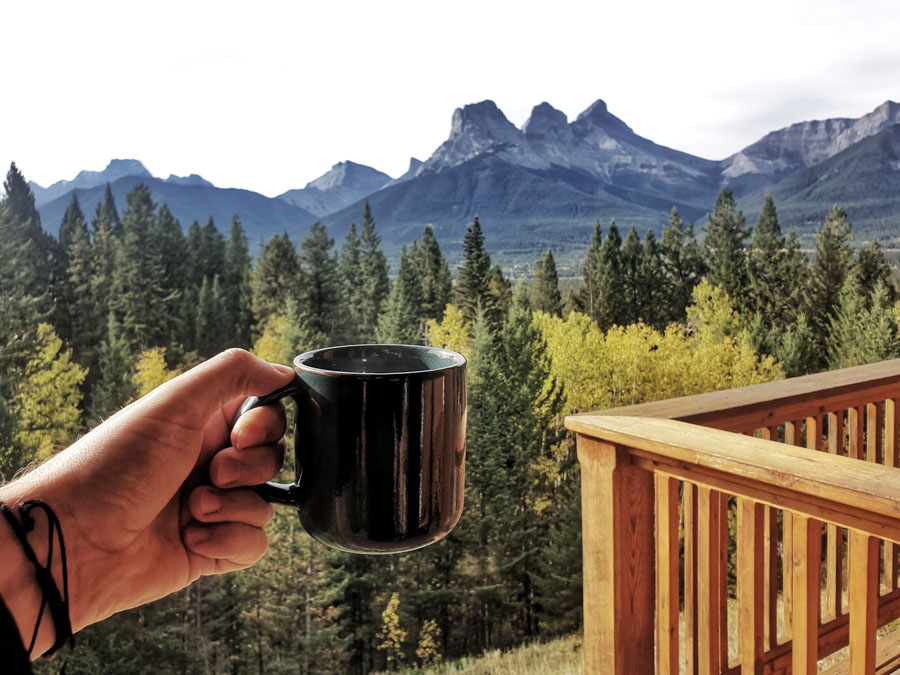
(501,295)
(683,265)
(545,295)
(85,323)
(632,252)
(211,254)
(275,280)
(196,268)
(236,286)
(725,243)
(651,295)
(374,278)
(613,308)
(858,334)
(167,244)
(114,387)
(109,214)
(352,590)
(589,298)
(871,269)
(828,273)
(433,273)
(321,288)
(212,323)
(473,279)
(402,321)
(351,271)
(73,220)
(138,298)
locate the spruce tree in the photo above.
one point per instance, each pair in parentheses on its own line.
(766,268)
(374,278)
(351,254)
(114,387)
(137,288)
(473,279)
(211,256)
(167,243)
(871,269)
(632,252)
(589,298)
(501,295)
(545,295)
(683,265)
(73,225)
(236,286)
(612,304)
(321,289)
(402,320)
(859,334)
(828,273)
(434,275)
(652,296)
(86,324)
(725,244)
(109,213)
(276,279)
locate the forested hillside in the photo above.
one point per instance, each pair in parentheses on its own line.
(123,299)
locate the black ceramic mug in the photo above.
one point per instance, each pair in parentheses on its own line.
(379,444)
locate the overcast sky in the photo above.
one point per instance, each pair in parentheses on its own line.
(269,95)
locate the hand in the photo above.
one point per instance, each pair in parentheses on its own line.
(156,496)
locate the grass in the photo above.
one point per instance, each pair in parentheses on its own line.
(561,656)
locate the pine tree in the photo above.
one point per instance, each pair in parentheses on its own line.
(545,295)
(871,269)
(374,278)
(683,265)
(612,307)
(211,254)
(351,271)
(321,288)
(212,322)
(473,280)
(402,321)
(858,334)
(137,290)
(501,295)
(276,279)
(651,296)
(589,298)
(828,273)
(434,275)
(236,286)
(114,387)
(766,267)
(167,244)
(632,252)
(725,244)
(108,213)
(85,322)
(73,219)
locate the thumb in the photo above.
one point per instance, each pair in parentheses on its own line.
(233,374)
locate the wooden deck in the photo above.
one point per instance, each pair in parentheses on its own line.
(782,498)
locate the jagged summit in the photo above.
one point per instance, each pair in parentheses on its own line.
(344,184)
(116,169)
(546,121)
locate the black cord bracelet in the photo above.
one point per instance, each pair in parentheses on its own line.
(58,604)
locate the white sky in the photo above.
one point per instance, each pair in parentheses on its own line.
(269,95)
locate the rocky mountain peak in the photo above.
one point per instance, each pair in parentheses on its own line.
(483,119)
(545,121)
(598,115)
(350,175)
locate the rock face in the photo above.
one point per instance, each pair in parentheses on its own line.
(805,144)
(116,169)
(345,183)
(193,179)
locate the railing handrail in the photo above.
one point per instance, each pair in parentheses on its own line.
(770,403)
(833,488)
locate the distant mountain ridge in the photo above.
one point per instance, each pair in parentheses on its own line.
(544,184)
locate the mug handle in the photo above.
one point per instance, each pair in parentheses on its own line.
(276,493)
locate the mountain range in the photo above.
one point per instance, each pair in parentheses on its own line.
(543,185)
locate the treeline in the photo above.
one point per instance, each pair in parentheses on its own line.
(121,302)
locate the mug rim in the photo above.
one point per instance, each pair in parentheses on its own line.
(300,365)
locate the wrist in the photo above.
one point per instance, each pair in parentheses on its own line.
(19,586)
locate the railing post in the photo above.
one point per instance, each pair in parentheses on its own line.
(863,602)
(617,538)
(750,585)
(806,575)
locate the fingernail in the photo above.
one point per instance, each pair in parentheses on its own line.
(196,534)
(228,474)
(209,502)
(284,370)
(250,435)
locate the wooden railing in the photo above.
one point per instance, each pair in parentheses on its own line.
(677,493)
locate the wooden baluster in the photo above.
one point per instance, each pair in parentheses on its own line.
(807,535)
(708,620)
(725,515)
(667,571)
(750,585)
(689,506)
(874,426)
(863,602)
(617,539)
(855,432)
(814,433)
(791,437)
(834,551)
(891,438)
(770,563)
